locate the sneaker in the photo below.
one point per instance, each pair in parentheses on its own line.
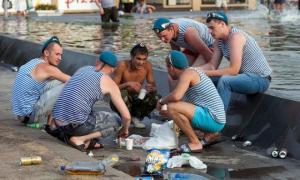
(137,123)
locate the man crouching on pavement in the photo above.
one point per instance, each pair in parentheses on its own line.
(73,111)
(193,104)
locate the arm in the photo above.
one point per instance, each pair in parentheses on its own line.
(108,86)
(236,44)
(216,59)
(136,86)
(99,5)
(151,86)
(45,71)
(181,87)
(191,36)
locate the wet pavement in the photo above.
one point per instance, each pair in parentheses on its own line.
(277,35)
(226,160)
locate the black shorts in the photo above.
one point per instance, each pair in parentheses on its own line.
(110,14)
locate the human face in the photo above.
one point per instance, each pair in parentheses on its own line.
(166,35)
(216,28)
(139,60)
(54,54)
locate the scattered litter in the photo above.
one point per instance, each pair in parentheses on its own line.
(34,160)
(164,137)
(185,159)
(283,153)
(91,154)
(247,143)
(156,161)
(138,140)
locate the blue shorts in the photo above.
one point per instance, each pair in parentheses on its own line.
(203,120)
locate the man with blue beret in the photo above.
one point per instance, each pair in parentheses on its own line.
(38,84)
(73,111)
(193,104)
(185,33)
(248,71)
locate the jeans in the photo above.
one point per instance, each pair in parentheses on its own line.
(247,83)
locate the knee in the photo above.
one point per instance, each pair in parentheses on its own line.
(224,81)
(172,108)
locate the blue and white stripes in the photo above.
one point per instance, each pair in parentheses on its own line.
(26,91)
(205,94)
(183,24)
(78,97)
(253,59)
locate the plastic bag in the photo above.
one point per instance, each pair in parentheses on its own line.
(163,138)
(184,159)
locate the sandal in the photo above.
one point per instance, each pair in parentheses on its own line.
(93,144)
(80,147)
(185,148)
(217,139)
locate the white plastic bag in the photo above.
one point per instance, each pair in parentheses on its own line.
(177,161)
(163,138)
(196,163)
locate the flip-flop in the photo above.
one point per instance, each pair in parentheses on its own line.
(93,143)
(80,147)
(206,143)
(185,148)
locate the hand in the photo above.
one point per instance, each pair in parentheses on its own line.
(101,11)
(150,88)
(134,86)
(123,133)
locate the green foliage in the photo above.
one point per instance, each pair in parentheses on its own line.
(45,7)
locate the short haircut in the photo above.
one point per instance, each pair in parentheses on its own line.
(139,48)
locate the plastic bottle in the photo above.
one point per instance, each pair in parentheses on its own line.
(90,168)
(34,125)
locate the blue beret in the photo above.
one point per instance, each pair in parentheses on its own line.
(109,58)
(160,24)
(178,59)
(53,39)
(217,15)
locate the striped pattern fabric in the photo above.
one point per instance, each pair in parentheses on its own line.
(26,91)
(75,103)
(253,60)
(204,94)
(183,24)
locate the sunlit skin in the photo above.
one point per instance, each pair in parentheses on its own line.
(53,55)
(166,35)
(218,29)
(138,61)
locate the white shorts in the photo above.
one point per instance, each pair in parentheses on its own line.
(221,3)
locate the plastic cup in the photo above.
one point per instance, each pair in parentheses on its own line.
(129,144)
(142,94)
(164,107)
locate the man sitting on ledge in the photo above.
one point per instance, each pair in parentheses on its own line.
(248,72)
(73,111)
(193,104)
(38,84)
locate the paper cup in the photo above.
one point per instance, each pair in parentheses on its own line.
(142,94)
(164,107)
(129,144)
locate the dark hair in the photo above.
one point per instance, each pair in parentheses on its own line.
(139,48)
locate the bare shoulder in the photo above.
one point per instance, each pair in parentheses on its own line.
(148,65)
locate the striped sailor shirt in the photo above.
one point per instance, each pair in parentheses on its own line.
(26,90)
(204,94)
(75,103)
(183,24)
(253,59)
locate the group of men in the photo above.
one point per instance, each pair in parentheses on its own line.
(198,98)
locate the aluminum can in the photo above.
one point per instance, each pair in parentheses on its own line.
(283,153)
(275,153)
(24,161)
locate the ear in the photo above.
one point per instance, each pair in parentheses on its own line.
(46,52)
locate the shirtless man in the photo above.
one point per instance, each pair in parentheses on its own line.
(130,76)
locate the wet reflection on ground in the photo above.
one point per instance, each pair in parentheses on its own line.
(280,41)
